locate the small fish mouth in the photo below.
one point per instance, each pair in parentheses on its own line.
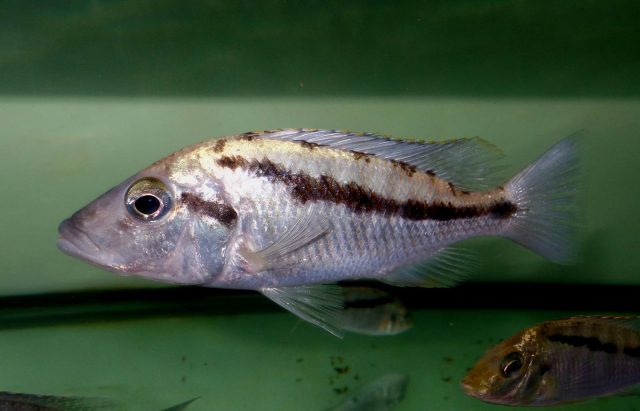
(467,387)
(75,242)
(471,387)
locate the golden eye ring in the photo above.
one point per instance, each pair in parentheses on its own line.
(148,199)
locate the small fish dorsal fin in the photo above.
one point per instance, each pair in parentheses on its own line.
(630,322)
(469,163)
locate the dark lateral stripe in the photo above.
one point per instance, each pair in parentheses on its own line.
(632,351)
(221,212)
(591,343)
(305,188)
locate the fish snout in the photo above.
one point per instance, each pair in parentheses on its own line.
(74,241)
(467,386)
(475,385)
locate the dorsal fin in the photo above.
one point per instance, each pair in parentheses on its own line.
(469,163)
(631,322)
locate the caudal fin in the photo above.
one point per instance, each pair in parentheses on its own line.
(544,194)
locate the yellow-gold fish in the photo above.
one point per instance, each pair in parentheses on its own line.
(290,212)
(559,362)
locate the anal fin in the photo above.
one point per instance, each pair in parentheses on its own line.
(320,305)
(446,268)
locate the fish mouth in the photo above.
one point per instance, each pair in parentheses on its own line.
(467,387)
(473,388)
(75,242)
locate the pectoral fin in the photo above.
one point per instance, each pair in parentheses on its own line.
(303,232)
(318,304)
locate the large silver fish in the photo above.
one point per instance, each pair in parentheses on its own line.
(559,362)
(286,211)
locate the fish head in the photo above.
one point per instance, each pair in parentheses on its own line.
(396,319)
(170,223)
(511,373)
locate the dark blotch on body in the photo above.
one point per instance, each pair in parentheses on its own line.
(307,145)
(591,343)
(358,155)
(219,146)
(407,168)
(232,162)
(221,212)
(504,209)
(249,136)
(360,199)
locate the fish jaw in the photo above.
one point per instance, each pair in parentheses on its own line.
(478,385)
(78,238)
(76,243)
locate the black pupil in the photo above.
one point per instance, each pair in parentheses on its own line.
(147,204)
(511,363)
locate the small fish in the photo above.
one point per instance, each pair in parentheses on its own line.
(291,212)
(10,401)
(372,311)
(559,362)
(382,394)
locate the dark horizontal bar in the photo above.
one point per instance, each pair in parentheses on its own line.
(109,305)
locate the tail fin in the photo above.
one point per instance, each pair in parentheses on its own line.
(545,194)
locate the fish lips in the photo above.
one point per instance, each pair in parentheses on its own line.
(72,240)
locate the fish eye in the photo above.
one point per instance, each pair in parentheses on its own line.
(148,199)
(511,364)
(147,204)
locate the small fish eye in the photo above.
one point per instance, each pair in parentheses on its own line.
(148,199)
(147,204)
(511,364)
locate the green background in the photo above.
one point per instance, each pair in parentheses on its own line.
(93,91)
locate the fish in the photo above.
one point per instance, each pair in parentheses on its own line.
(382,394)
(291,212)
(10,401)
(560,362)
(373,311)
